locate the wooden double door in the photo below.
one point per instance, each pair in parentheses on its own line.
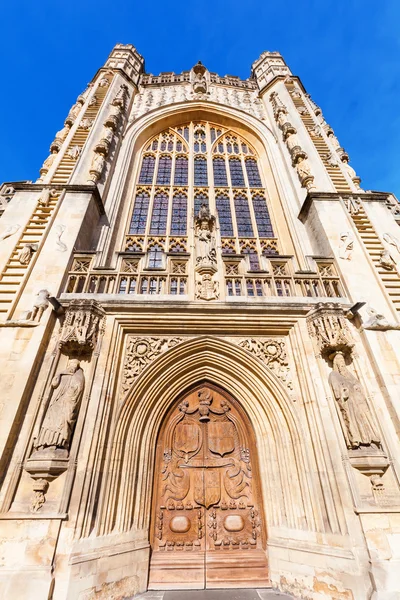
(207,529)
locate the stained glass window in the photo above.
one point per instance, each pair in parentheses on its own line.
(254,263)
(219,169)
(200,171)
(199,200)
(179,214)
(164,170)
(243,218)
(181,171)
(158,225)
(235,167)
(252,173)
(263,220)
(139,215)
(147,170)
(224,216)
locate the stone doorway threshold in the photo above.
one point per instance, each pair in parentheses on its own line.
(231,594)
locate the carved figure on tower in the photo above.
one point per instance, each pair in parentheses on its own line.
(205,238)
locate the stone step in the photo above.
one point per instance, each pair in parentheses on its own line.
(224,594)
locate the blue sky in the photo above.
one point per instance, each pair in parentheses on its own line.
(347,53)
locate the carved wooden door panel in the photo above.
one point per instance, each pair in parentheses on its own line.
(207,528)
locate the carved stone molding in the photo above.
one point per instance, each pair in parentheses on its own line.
(84,321)
(272,352)
(140,352)
(328,328)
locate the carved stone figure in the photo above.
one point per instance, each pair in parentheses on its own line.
(65,398)
(25,254)
(9,232)
(97,166)
(346,245)
(74,152)
(47,163)
(386,261)
(74,112)
(199,82)
(331,160)
(45,196)
(205,238)
(106,140)
(315,131)
(121,96)
(357,422)
(59,231)
(93,101)
(351,172)
(86,123)
(40,305)
(304,172)
(378,322)
(59,138)
(392,248)
(104,82)
(334,141)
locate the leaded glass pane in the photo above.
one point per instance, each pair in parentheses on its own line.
(159,216)
(179,214)
(219,168)
(181,171)
(252,173)
(199,200)
(235,167)
(147,170)
(139,214)
(224,216)
(243,218)
(164,170)
(263,219)
(155,260)
(200,171)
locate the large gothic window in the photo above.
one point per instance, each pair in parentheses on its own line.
(180,170)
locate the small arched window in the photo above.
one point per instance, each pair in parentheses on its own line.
(199,199)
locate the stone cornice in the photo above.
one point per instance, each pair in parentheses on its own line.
(72,189)
(334,196)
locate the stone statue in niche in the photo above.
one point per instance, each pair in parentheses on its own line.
(97,167)
(346,245)
(199,81)
(357,422)
(65,398)
(304,172)
(205,237)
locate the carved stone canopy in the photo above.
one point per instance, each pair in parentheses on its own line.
(328,328)
(84,320)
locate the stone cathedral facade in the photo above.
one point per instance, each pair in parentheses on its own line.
(200,334)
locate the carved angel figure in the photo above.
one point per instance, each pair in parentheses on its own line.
(66,393)
(346,245)
(357,422)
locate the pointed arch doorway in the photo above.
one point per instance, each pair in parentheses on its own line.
(207,528)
